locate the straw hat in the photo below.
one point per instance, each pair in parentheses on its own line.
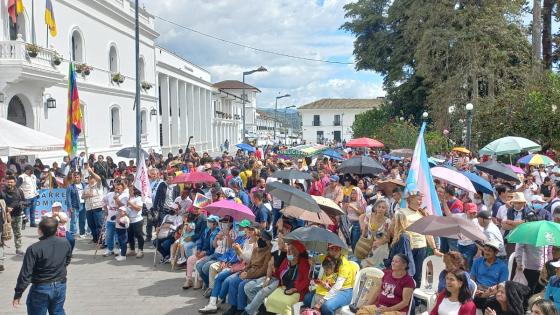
(518,197)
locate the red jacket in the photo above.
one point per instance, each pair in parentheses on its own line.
(302,281)
(468,308)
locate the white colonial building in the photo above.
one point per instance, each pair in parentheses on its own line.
(178,100)
(331,119)
(236,89)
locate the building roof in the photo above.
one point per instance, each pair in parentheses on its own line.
(234,85)
(344,103)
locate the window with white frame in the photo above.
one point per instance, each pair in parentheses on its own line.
(115,122)
(113,60)
(77,46)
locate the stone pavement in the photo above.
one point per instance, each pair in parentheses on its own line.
(105,286)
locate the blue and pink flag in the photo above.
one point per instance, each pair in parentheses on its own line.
(420,178)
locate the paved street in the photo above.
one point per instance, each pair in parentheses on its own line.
(103,286)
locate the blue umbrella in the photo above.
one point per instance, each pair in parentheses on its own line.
(479,183)
(246,147)
(392,157)
(333,154)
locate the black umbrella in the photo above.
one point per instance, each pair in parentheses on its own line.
(361,165)
(499,170)
(315,238)
(130,153)
(291,174)
(292,196)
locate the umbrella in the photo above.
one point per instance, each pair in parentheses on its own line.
(333,154)
(130,153)
(292,196)
(361,165)
(364,143)
(536,233)
(402,152)
(315,238)
(389,185)
(536,159)
(304,150)
(515,169)
(329,206)
(479,183)
(246,147)
(228,207)
(194,178)
(461,150)
(499,170)
(392,157)
(16,139)
(302,214)
(453,177)
(291,174)
(509,145)
(448,226)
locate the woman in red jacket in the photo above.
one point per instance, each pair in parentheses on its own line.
(456,299)
(294,280)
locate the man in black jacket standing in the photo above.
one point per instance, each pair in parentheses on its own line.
(15,204)
(44,266)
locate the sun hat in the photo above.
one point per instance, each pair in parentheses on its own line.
(493,243)
(518,197)
(56,204)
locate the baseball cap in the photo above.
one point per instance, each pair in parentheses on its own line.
(471,208)
(213,218)
(245,223)
(56,204)
(556,263)
(484,214)
(334,178)
(537,198)
(493,243)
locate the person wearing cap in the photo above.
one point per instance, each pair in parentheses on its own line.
(333,191)
(15,204)
(467,247)
(62,218)
(294,280)
(515,216)
(491,230)
(122,222)
(451,205)
(487,271)
(255,268)
(93,197)
(223,248)
(537,205)
(27,182)
(205,250)
(529,259)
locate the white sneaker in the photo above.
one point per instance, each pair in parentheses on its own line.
(120,258)
(181,261)
(82,236)
(209,309)
(108,253)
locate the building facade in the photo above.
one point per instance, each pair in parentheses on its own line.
(236,89)
(331,120)
(177,97)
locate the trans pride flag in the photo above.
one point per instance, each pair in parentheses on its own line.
(74,115)
(420,177)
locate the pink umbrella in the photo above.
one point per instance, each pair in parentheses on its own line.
(364,143)
(453,177)
(516,169)
(228,207)
(194,178)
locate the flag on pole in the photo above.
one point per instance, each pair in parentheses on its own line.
(141,180)
(74,114)
(15,8)
(420,177)
(49,18)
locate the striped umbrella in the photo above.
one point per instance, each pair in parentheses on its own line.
(536,159)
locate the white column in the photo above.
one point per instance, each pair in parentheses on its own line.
(191,112)
(200,126)
(210,120)
(204,120)
(174,103)
(164,98)
(183,131)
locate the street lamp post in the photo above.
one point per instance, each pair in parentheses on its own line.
(424,116)
(276,112)
(285,121)
(244,97)
(469,107)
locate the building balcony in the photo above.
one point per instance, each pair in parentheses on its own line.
(17,64)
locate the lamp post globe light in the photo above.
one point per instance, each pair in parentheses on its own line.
(469,107)
(244,98)
(276,112)
(424,116)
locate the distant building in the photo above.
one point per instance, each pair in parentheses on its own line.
(237,88)
(331,119)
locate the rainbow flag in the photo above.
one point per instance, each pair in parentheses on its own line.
(74,115)
(420,177)
(49,18)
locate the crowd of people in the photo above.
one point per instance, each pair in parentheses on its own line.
(252,267)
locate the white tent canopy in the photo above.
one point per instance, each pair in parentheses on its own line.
(16,139)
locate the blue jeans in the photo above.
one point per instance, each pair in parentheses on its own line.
(123,239)
(73,221)
(257,293)
(203,267)
(340,299)
(164,247)
(71,240)
(218,281)
(236,292)
(46,297)
(95,222)
(30,209)
(448,244)
(468,251)
(82,219)
(355,233)
(110,235)
(276,214)
(419,255)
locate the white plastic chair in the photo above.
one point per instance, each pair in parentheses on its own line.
(426,292)
(475,287)
(510,264)
(375,272)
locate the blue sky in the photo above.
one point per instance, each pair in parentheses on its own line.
(308,28)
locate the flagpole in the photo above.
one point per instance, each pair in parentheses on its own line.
(137,56)
(33,40)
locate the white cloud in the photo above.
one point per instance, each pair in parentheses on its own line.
(296,27)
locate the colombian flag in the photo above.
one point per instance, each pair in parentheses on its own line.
(74,116)
(49,18)
(15,8)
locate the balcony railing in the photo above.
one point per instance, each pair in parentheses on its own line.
(15,50)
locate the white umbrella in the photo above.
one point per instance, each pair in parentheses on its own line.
(16,139)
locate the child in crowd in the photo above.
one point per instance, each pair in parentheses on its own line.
(326,282)
(183,245)
(122,223)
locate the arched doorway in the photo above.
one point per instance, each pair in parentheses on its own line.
(16,111)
